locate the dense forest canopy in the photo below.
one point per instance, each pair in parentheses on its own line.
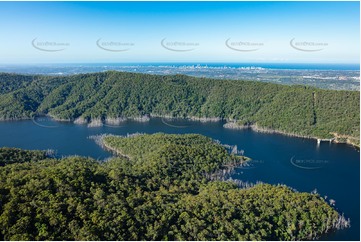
(14,155)
(299,110)
(155,189)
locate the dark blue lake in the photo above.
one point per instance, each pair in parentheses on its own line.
(332,169)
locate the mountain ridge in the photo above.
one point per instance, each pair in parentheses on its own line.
(300,110)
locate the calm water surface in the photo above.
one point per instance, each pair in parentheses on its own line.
(332,169)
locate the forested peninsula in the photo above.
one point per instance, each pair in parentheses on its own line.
(158,187)
(113,96)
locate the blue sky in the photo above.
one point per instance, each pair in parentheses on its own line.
(322,32)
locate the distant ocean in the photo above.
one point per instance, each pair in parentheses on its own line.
(71,68)
(293,66)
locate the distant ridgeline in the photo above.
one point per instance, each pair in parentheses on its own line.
(156,189)
(111,96)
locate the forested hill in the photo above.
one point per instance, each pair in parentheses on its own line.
(298,110)
(156,191)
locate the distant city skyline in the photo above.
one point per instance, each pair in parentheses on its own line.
(191,32)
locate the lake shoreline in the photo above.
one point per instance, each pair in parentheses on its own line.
(256,128)
(271,154)
(224,173)
(230,124)
(99,139)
